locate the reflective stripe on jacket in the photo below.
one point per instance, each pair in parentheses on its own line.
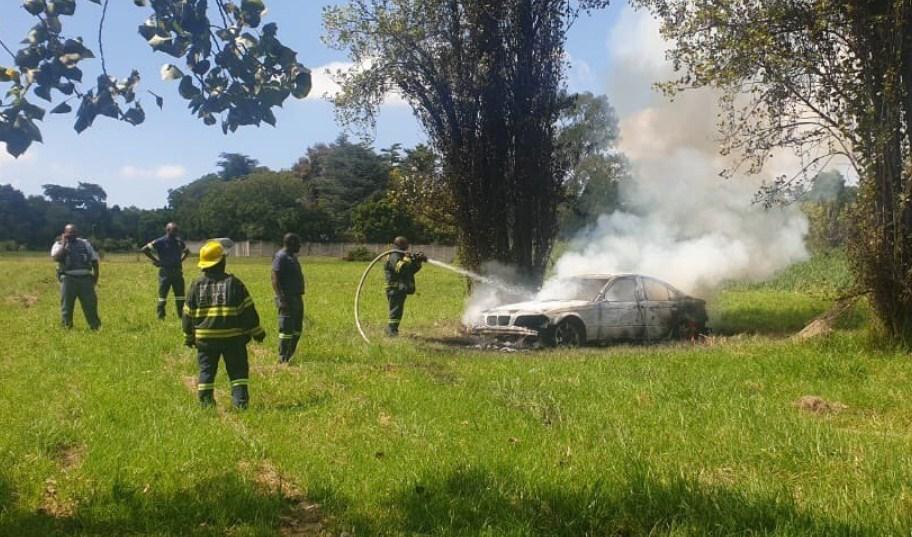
(218,307)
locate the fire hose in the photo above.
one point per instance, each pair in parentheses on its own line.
(361,286)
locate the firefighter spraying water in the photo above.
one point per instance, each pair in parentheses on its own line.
(400,269)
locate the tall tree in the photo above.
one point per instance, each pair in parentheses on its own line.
(236,71)
(587,140)
(341,175)
(823,77)
(484,78)
(234,165)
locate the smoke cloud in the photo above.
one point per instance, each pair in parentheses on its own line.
(684,223)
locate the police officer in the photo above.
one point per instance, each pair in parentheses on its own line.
(77,270)
(219,320)
(400,272)
(171,252)
(288,284)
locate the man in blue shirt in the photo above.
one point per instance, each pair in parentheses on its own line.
(171,252)
(288,284)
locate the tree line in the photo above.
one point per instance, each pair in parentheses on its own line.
(339,191)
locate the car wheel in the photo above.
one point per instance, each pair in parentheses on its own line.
(689,330)
(569,333)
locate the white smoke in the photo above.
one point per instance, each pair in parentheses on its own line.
(686,225)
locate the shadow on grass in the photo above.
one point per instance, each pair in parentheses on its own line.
(474,501)
(218,506)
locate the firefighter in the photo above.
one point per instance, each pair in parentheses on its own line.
(77,270)
(219,320)
(288,284)
(171,252)
(400,272)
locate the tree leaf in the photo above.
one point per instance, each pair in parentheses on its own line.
(186,89)
(135,115)
(170,72)
(62,108)
(34,7)
(302,85)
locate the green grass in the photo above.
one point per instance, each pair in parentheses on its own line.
(101,434)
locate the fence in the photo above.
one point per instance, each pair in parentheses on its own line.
(326,249)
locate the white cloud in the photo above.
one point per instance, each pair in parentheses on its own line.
(165,172)
(12,169)
(324,87)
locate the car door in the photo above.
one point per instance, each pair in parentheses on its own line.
(619,310)
(658,308)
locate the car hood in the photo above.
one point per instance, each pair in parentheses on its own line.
(537,306)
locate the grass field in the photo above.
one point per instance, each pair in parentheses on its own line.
(100,433)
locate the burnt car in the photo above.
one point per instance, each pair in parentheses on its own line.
(597,308)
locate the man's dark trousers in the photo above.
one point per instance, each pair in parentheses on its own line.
(235,354)
(173,279)
(83,288)
(396,301)
(291,322)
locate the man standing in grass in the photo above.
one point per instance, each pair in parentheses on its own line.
(288,284)
(77,270)
(400,272)
(219,319)
(171,252)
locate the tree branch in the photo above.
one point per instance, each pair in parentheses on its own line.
(104,12)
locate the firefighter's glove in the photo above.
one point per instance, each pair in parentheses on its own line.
(189,341)
(259,337)
(420,257)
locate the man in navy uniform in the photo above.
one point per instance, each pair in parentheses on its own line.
(171,252)
(400,270)
(77,269)
(288,284)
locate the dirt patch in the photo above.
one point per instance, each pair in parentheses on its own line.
(70,457)
(818,405)
(23,300)
(303,517)
(51,503)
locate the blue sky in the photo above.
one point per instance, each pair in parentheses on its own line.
(137,165)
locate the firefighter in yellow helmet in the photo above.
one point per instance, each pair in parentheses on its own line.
(219,319)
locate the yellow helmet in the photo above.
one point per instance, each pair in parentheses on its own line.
(210,254)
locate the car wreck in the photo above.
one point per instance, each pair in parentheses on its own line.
(597,308)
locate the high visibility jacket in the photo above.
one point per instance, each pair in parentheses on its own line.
(400,272)
(218,307)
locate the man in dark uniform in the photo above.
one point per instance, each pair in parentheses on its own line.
(288,284)
(77,270)
(400,272)
(219,319)
(171,252)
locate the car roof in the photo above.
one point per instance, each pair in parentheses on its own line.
(624,274)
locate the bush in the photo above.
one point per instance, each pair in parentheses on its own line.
(360,254)
(8,246)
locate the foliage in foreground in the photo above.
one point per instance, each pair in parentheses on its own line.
(238,72)
(102,436)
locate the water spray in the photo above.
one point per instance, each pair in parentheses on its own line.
(462,272)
